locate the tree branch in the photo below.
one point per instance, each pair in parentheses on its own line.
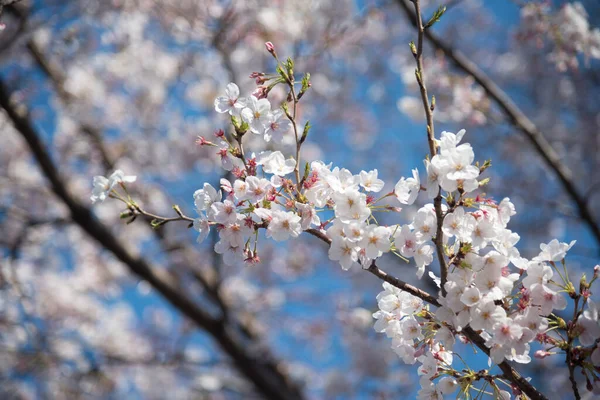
(517,118)
(56,76)
(399,283)
(266,376)
(437,201)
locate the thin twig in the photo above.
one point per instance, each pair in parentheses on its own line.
(437,201)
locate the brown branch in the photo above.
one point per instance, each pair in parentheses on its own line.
(518,119)
(208,281)
(437,202)
(20,13)
(265,375)
(509,372)
(399,283)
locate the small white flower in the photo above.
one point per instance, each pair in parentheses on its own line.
(231,254)
(205,197)
(376,240)
(240,189)
(236,234)
(554,251)
(256,114)
(370,182)
(276,125)
(223,212)
(406,241)
(256,188)
(407,189)
(354,231)
(423,257)
(103,186)
(276,164)
(447,385)
(283,225)
(203,228)
(485,315)
(470,297)
(588,325)
(231,102)
(344,251)
(351,205)
(308,215)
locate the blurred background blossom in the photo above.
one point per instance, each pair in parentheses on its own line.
(130,84)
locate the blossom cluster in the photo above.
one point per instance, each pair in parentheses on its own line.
(568,30)
(459,99)
(254,110)
(488,286)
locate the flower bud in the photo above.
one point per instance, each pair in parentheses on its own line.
(541,354)
(261,92)
(271,48)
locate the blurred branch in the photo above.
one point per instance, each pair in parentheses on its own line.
(57,78)
(4,3)
(19,12)
(517,118)
(264,374)
(55,74)
(15,247)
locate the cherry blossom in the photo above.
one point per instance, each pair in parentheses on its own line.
(230,103)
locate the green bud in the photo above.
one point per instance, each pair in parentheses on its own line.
(486,165)
(306,171)
(305,85)
(305,132)
(437,15)
(484,182)
(155,223)
(289,65)
(177,210)
(413,48)
(125,214)
(583,285)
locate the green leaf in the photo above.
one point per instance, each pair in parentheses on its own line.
(437,15)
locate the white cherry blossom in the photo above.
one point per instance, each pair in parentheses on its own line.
(230,103)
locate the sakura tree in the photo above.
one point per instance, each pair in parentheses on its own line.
(232,271)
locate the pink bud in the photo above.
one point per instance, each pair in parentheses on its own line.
(261,92)
(201,141)
(220,133)
(270,47)
(596,270)
(540,354)
(238,172)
